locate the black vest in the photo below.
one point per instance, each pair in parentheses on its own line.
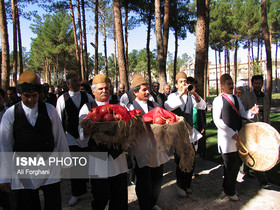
(187,113)
(33,139)
(137,106)
(70,114)
(101,147)
(229,115)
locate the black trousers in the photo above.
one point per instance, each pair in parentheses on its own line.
(113,189)
(29,199)
(184,179)
(148,185)
(78,186)
(232,163)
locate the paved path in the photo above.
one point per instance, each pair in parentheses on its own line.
(206,186)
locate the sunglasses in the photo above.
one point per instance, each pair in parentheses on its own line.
(30,95)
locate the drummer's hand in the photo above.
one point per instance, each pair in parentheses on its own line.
(6,187)
(235,137)
(255,109)
(88,127)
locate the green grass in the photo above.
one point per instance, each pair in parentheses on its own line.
(212,149)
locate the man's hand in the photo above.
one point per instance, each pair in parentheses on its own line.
(6,187)
(235,137)
(196,96)
(184,90)
(255,109)
(87,127)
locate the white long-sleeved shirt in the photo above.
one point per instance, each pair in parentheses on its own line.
(97,166)
(174,101)
(60,106)
(7,143)
(146,152)
(225,142)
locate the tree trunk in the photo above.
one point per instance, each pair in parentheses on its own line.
(148,47)
(228,62)
(14,2)
(252,50)
(217,86)
(5,47)
(249,66)
(225,60)
(206,68)
(160,51)
(85,40)
(105,47)
(126,38)
(220,70)
(75,36)
(276,76)
(96,39)
(165,32)
(81,41)
(175,57)
(19,43)
(267,48)
(120,43)
(200,45)
(235,63)
(115,59)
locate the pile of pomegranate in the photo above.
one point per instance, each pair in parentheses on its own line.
(109,112)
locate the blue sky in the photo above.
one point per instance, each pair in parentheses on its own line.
(136,40)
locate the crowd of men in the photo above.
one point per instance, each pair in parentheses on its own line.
(43,119)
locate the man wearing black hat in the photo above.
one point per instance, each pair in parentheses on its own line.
(111,184)
(30,126)
(68,107)
(148,160)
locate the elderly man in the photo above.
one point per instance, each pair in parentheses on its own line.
(182,103)
(149,161)
(239,91)
(227,113)
(111,184)
(68,107)
(31,126)
(249,99)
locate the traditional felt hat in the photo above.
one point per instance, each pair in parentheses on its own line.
(29,77)
(99,78)
(137,80)
(225,77)
(180,75)
(71,74)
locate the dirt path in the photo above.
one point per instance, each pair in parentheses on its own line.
(206,187)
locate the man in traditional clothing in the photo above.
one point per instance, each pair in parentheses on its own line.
(148,160)
(111,184)
(227,112)
(249,100)
(182,103)
(68,107)
(30,126)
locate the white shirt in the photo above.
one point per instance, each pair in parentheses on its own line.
(146,152)
(225,142)
(60,106)
(7,142)
(174,101)
(100,167)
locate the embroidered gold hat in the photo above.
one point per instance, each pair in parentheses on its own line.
(137,79)
(71,74)
(99,78)
(225,77)
(29,77)
(180,75)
